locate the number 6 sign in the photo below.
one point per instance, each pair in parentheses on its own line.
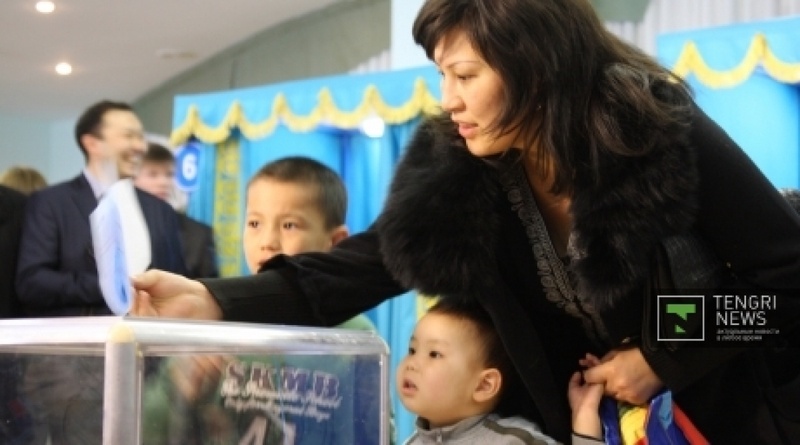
(186,160)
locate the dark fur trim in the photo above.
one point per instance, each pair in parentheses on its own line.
(435,230)
(640,201)
(438,231)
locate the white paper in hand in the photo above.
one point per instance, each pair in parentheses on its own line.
(121,244)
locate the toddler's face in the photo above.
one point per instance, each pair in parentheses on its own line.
(282,217)
(437,379)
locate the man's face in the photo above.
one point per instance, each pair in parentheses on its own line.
(120,141)
(156,178)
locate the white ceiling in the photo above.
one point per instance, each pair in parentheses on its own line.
(113,46)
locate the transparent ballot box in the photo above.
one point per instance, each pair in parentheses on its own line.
(124,381)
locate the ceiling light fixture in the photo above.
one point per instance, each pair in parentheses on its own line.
(64,68)
(45,7)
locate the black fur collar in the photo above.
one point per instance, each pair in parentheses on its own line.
(438,231)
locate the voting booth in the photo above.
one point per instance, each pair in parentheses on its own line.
(126,381)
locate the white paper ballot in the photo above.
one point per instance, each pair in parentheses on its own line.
(121,244)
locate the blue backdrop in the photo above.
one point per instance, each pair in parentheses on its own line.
(746,77)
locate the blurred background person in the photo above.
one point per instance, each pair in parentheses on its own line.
(157,177)
(24,179)
(12,206)
(57,272)
(14,417)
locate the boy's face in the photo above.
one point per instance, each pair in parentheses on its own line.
(438,377)
(284,217)
(156,178)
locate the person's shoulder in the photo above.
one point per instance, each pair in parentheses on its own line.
(360,322)
(191,223)
(57,192)
(512,422)
(146,199)
(12,204)
(10,196)
(78,182)
(522,430)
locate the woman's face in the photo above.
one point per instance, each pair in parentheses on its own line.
(472,92)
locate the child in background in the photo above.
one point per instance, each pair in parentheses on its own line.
(294,205)
(456,373)
(156,176)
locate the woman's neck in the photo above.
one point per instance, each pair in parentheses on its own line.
(555,209)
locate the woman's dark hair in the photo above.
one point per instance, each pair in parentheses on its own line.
(571,87)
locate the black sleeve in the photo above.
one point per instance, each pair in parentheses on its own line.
(748,222)
(752,229)
(208,256)
(12,205)
(315,289)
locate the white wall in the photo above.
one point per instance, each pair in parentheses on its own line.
(44,145)
(66,159)
(405,53)
(24,142)
(667,16)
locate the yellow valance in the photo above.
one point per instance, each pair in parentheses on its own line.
(326,112)
(690,61)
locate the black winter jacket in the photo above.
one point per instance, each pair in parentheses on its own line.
(458,226)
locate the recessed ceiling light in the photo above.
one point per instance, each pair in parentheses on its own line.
(64,68)
(45,7)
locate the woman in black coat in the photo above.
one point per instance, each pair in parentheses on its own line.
(568,180)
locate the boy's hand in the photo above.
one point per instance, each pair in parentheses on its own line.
(584,401)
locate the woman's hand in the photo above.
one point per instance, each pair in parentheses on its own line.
(627,376)
(163,294)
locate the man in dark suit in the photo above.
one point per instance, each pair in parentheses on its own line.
(157,177)
(57,273)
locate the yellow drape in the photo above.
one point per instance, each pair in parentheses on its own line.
(227,208)
(327,112)
(690,61)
